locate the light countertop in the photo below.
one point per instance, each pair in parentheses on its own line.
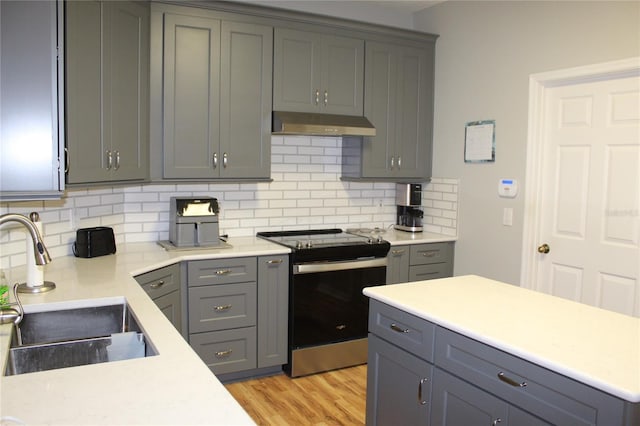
(397,237)
(594,346)
(174,387)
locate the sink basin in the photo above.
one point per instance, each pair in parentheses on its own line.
(72,337)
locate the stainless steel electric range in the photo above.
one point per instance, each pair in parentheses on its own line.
(328,313)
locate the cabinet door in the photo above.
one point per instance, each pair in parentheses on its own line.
(171,306)
(414,114)
(379,108)
(398,265)
(31,100)
(126,88)
(341,90)
(245,113)
(107,91)
(273,310)
(456,402)
(399,103)
(296,79)
(86,144)
(191,83)
(398,386)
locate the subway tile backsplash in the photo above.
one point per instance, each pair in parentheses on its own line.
(306,192)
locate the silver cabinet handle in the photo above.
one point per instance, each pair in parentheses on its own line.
(429,253)
(117,165)
(66,160)
(223,271)
(398,252)
(317,96)
(274,262)
(157,285)
(395,327)
(222,308)
(109,159)
(225,158)
(399,162)
(496,421)
(420,400)
(224,354)
(510,381)
(393,162)
(326,98)
(215,160)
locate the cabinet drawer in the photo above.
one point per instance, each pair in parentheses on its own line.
(161,281)
(223,271)
(402,329)
(222,307)
(423,254)
(430,272)
(555,398)
(226,351)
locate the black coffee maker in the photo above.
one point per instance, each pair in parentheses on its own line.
(408,200)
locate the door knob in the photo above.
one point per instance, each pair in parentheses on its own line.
(543,248)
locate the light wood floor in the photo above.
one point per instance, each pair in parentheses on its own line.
(331,398)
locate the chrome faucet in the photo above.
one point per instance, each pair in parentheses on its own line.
(39,249)
(8,314)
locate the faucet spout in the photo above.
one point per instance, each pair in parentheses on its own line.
(41,254)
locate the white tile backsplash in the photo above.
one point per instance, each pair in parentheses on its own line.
(306,192)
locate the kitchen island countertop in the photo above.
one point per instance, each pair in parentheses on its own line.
(594,346)
(174,387)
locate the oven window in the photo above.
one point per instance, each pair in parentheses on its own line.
(329,307)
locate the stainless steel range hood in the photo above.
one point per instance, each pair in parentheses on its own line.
(302,123)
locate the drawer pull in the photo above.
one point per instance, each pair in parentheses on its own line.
(420,400)
(496,421)
(223,271)
(222,308)
(510,381)
(157,285)
(430,253)
(397,252)
(224,354)
(274,261)
(394,327)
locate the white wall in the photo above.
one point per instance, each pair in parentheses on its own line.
(306,192)
(484,56)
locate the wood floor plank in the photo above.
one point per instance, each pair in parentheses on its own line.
(327,399)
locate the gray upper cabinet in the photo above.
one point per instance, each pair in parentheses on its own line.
(31,100)
(107,91)
(213,80)
(316,72)
(399,88)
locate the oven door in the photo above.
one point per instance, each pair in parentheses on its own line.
(327,304)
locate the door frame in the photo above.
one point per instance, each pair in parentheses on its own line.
(539,84)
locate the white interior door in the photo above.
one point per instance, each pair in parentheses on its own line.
(589,200)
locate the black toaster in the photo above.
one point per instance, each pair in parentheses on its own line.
(94,242)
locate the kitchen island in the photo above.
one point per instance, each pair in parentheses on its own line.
(553,358)
(174,387)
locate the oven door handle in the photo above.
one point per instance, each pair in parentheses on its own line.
(310,268)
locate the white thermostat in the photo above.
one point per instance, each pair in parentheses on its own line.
(508,188)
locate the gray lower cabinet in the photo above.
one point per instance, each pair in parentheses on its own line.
(31,100)
(399,90)
(213,79)
(107,64)
(470,383)
(316,72)
(398,386)
(238,312)
(273,310)
(164,286)
(418,262)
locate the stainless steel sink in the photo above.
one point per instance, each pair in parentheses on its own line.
(70,337)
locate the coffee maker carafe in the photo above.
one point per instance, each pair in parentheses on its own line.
(408,200)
